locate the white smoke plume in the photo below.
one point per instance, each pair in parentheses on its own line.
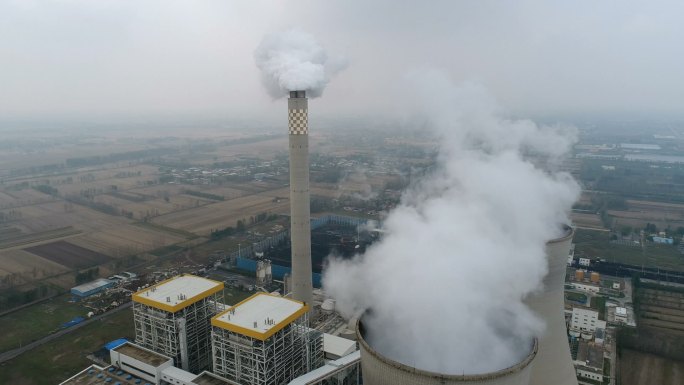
(443,290)
(293,60)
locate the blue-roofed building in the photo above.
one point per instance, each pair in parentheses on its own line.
(114,344)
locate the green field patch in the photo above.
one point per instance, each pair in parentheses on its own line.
(596,244)
(62,358)
(37,321)
(599,304)
(577,297)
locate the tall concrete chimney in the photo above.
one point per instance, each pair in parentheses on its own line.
(300,204)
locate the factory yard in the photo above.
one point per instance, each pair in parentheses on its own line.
(639,368)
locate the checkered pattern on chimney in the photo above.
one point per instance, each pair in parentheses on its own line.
(298,122)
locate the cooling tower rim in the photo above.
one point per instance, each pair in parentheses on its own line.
(447,377)
(568,232)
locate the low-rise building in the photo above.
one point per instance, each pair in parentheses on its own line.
(134,365)
(589,361)
(584,319)
(621,314)
(663,240)
(91,288)
(591,288)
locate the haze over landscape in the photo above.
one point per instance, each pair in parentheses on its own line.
(341,192)
(78,59)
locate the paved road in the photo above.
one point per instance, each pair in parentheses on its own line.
(8,355)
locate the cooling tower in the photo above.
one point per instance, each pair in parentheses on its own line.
(379,370)
(553,360)
(300,221)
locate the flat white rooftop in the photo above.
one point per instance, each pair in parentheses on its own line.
(96,284)
(177,293)
(178,374)
(260,316)
(337,346)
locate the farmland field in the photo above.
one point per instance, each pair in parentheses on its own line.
(49,216)
(637,368)
(587,220)
(28,266)
(125,240)
(69,255)
(20,239)
(65,356)
(593,243)
(202,220)
(642,212)
(37,321)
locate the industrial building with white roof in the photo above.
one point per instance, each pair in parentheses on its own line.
(265,339)
(173,318)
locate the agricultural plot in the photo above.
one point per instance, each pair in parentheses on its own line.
(642,212)
(27,267)
(37,321)
(10,199)
(50,216)
(126,240)
(263,148)
(227,192)
(60,359)
(202,220)
(662,309)
(18,238)
(593,243)
(159,190)
(587,220)
(69,255)
(325,190)
(638,368)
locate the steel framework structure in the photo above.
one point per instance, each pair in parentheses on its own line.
(184,335)
(290,352)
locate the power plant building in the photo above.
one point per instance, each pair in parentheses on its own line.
(135,365)
(265,339)
(173,318)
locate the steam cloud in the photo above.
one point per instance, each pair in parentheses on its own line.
(444,288)
(293,60)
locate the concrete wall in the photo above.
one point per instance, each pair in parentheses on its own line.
(379,370)
(553,360)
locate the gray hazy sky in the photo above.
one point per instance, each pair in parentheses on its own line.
(85,58)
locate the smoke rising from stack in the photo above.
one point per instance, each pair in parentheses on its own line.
(293,60)
(443,290)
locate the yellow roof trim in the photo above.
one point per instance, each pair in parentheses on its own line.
(140,298)
(215,321)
